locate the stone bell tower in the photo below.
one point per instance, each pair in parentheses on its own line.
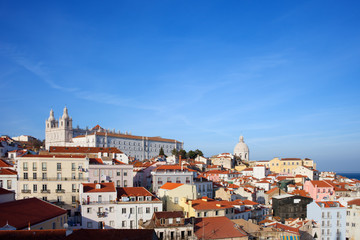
(58,132)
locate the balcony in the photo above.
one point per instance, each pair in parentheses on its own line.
(101,214)
(25,191)
(45,191)
(60,190)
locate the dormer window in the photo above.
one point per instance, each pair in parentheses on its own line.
(132,199)
(141,198)
(148,198)
(98,186)
(162,221)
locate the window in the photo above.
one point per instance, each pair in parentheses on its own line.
(162,221)
(8,184)
(80,176)
(111,209)
(123,224)
(25,166)
(216,212)
(176,200)
(89,225)
(118,183)
(147,210)
(131,210)
(59,187)
(58,176)
(140,210)
(88,210)
(112,223)
(34,166)
(205,214)
(26,175)
(43,166)
(73,187)
(117,173)
(125,183)
(73,167)
(170,221)
(44,176)
(44,187)
(34,175)
(53,225)
(73,199)
(123,210)
(155,209)
(125,173)
(25,187)
(178,220)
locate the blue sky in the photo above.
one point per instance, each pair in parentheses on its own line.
(285,74)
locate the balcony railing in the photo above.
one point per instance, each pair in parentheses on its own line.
(25,191)
(53,179)
(45,191)
(101,214)
(60,190)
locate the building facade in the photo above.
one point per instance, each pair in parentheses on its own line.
(61,133)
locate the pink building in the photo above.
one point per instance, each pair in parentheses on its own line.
(320,190)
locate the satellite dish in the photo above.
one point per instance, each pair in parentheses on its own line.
(66,225)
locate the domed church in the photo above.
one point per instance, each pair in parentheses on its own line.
(242,150)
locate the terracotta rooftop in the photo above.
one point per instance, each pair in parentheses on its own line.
(320,183)
(329,204)
(58,234)
(5,191)
(134,192)
(54,156)
(5,171)
(171,186)
(4,164)
(31,210)
(174,214)
(112,234)
(354,202)
(103,187)
(217,228)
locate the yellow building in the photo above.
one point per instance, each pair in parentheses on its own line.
(172,193)
(53,178)
(286,165)
(207,207)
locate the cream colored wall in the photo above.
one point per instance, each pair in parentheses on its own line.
(185,191)
(288,166)
(51,181)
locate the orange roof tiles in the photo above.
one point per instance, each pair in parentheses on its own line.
(302,193)
(217,228)
(320,183)
(104,187)
(5,171)
(133,192)
(4,164)
(171,186)
(31,210)
(54,156)
(329,204)
(354,202)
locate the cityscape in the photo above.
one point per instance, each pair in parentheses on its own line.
(179,120)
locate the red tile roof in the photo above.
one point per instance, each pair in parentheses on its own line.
(4,164)
(286,228)
(329,204)
(95,161)
(31,210)
(320,183)
(54,156)
(354,202)
(112,234)
(171,186)
(174,214)
(133,192)
(5,171)
(5,191)
(104,187)
(302,193)
(217,228)
(58,234)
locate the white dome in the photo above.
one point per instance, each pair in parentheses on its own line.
(241,148)
(51,117)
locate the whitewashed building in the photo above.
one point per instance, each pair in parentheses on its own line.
(103,206)
(331,217)
(61,133)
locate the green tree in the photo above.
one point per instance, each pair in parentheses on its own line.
(182,153)
(161,153)
(199,153)
(174,152)
(191,154)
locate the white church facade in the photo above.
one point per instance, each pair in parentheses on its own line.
(242,150)
(61,133)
